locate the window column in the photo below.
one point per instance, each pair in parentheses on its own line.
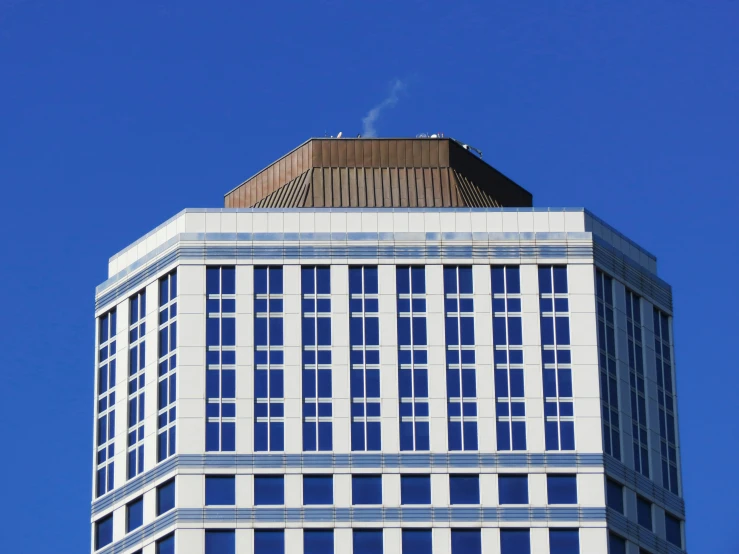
(269,360)
(167,410)
(106,402)
(510,404)
(220,380)
(666,401)
(136,382)
(413,380)
(639,427)
(559,426)
(317,389)
(607,364)
(460,358)
(364,340)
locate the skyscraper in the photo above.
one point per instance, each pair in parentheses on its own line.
(379,345)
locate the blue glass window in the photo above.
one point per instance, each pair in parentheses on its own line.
(460,363)
(413,385)
(616,545)
(466,541)
(318,541)
(220,490)
(318,489)
(104,531)
(415,489)
(364,338)
(464,489)
(562,489)
(269,401)
(270,541)
(167,389)
(559,423)
(220,335)
(673,530)
(269,490)
(564,541)
(317,394)
(515,541)
(220,541)
(510,405)
(165,497)
(644,512)
(615,496)
(416,541)
(134,514)
(666,401)
(367,541)
(639,425)
(513,489)
(607,364)
(106,402)
(366,489)
(165,545)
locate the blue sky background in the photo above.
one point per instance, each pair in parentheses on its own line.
(116,115)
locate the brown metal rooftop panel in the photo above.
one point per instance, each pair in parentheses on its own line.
(389,173)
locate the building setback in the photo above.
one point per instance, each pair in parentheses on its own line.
(380,346)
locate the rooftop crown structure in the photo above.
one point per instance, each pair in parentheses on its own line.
(380,346)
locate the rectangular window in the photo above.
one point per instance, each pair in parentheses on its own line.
(136,378)
(666,401)
(615,496)
(165,497)
(318,489)
(220,541)
(366,489)
(167,356)
(510,405)
(464,489)
(220,490)
(466,541)
(559,426)
(639,426)
(415,489)
(461,378)
(220,380)
(607,364)
(644,512)
(364,338)
(107,329)
(165,545)
(318,541)
(513,489)
(134,514)
(564,541)
(269,490)
(270,541)
(103,531)
(515,541)
(561,489)
(616,545)
(367,541)
(269,360)
(317,394)
(413,379)
(673,530)
(416,541)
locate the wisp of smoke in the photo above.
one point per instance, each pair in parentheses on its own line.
(368,121)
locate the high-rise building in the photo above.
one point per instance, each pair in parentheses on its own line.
(380,346)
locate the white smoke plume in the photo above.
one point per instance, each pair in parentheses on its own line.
(368,121)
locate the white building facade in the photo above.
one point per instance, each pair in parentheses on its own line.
(385,380)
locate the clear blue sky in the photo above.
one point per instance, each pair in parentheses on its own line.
(116,115)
